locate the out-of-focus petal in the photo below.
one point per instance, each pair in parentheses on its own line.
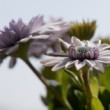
(51,62)
(12,62)
(76,41)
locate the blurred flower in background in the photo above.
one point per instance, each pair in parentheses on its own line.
(39,47)
(18,37)
(83,30)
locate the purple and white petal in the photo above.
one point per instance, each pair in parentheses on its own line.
(12,62)
(61,65)
(70,63)
(99,66)
(40,37)
(97,42)
(90,63)
(79,64)
(65,44)
(51,62)
(76,41)
(12,49)
(35,23)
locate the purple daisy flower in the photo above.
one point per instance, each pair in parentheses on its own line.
(15,39)
(39,47)
(80,53)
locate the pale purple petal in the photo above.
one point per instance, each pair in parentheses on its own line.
(76,41)
(104,47)
(97,42)
(79,64)
(40,37)
(12,62)
(104,60)
(51,62)
(65,44)
(61,65)
(70,63)
(90,63)
(35,23)
(12,49)
(99,67)
(104,53)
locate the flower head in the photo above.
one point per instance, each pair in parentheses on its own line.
(15,40)
(18,33)
(38,47)
(80,53)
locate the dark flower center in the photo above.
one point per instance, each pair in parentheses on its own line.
(83,52)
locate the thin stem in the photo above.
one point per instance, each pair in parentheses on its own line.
(44,81)
(73,76)
(86,83)
(88,90)
(79,75)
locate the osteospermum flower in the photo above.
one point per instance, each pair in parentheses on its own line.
(19,32)
(38,47)
(80,53)
(14,37)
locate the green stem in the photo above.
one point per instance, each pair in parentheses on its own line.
(44,81)
(86,83)
(73,76)
(88,90)
(79,75)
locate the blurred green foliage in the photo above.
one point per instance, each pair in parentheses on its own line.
(84,30)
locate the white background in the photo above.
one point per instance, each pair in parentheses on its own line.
(19,88)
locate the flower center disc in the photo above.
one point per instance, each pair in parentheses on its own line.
(83,52)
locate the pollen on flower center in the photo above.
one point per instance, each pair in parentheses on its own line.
(83,52)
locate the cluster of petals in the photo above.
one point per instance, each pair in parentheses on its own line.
(19,32)
(80,54)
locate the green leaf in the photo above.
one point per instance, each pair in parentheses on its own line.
(105,78)
(48,74)
(51,106)
(104,96)
(65,82)
(96,104)
(94,86)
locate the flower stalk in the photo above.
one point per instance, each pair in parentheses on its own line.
(45,82)
(85,77)
(86,82)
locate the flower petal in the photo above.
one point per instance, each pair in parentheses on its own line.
(35,23)
(12,62)
(57,54)
(97,42)
(51,62)
(40,37)
(104,60)
(79,65)
(61,65)
(90,63)
(65,44)
(104,47)
(99,67)
(70,64)
(104,52)
(25,39)
(76,42)
(12,49)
